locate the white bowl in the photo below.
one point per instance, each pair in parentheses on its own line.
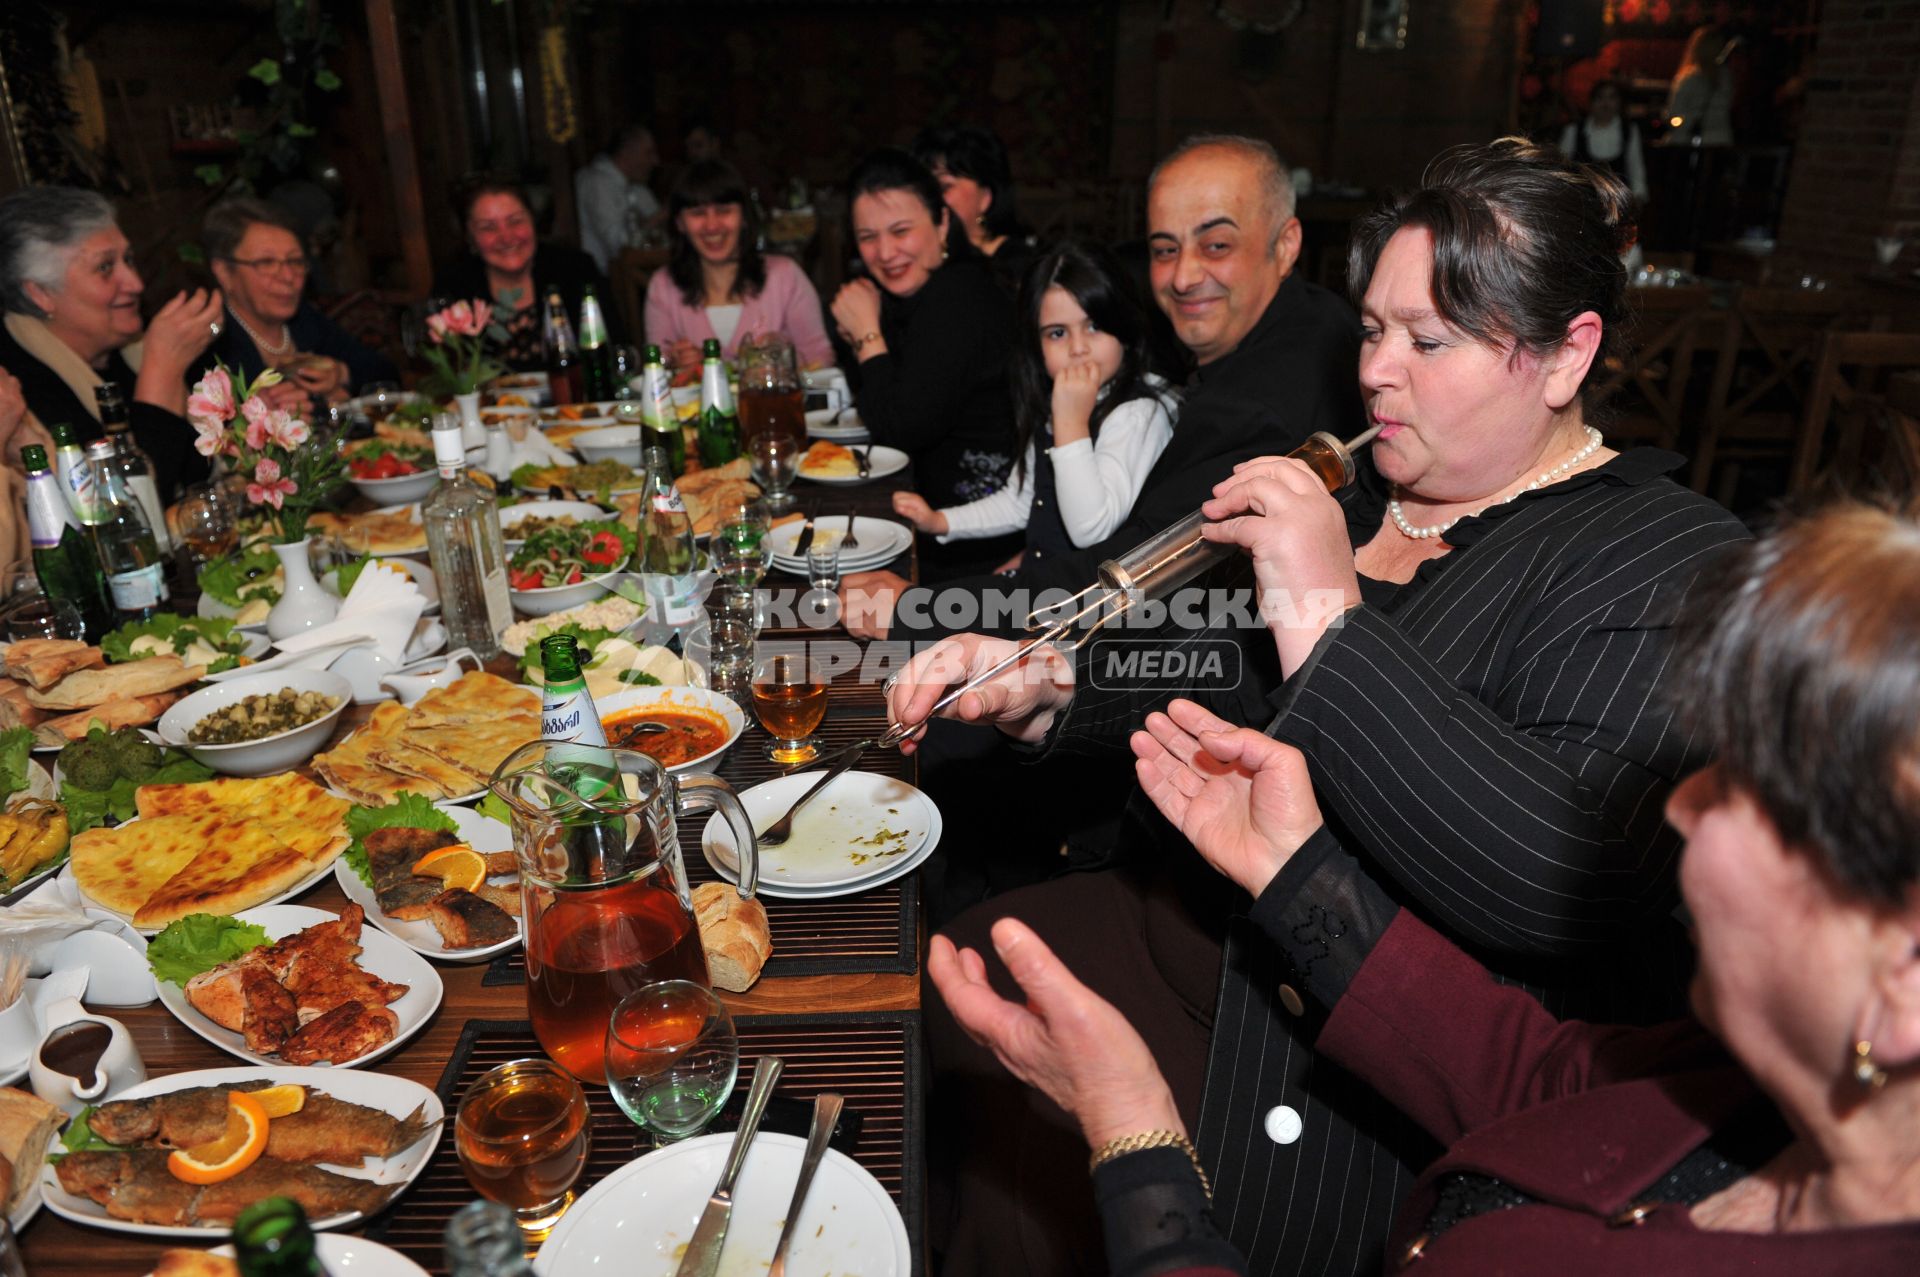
(692,698)
(558,598)
(583,511)
(400,490)
(269,754)
(613,443)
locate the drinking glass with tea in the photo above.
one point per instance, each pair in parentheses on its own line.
(604,888)
(790,699)
(672,1057)
(523,1134)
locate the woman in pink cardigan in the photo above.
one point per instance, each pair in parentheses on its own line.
(719,284)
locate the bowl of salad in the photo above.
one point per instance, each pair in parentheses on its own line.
(563,566)
(391,473)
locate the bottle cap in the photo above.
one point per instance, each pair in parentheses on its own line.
(34,458)
(449,447)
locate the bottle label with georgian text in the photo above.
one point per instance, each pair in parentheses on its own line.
(139,589)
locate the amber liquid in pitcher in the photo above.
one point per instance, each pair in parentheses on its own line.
(594,947)
(777,411)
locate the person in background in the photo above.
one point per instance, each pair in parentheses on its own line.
(507,266)
(1607,137)
(72,298)
(256,253)
(718,284)
(977,184)
(700,142)
(1700,99)
(1774,1132)
(613,196)
(1090,419)
(932,333)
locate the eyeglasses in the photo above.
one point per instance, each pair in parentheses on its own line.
(274,265)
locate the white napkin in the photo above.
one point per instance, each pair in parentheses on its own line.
(45,918)
(384,605)
(532,447)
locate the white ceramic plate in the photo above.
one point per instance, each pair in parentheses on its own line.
(344,1255)
(697,698)
(482,833)
(374,1090)
(210,608)
(837,824)
(846,427)
(638,1220)
(881,462)
(880,540)
(87,901)
(380,954)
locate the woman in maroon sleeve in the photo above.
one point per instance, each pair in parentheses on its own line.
(1778,1132)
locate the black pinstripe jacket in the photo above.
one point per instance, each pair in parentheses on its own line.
(1489,735)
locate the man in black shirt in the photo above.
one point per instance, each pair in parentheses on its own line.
(1276,360)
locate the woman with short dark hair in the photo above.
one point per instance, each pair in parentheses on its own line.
(932,334)
(1471,668)
(977,184)
(1777,1132)
(511,269)
(73,324)
(719,285)
(255,250)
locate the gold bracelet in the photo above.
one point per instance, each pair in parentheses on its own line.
(1151,1139)
(861,345)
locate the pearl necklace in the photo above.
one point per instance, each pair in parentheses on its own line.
(1545,477)
(286,337)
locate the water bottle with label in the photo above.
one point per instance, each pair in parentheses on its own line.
(136,571)
(576,753)
(670,558)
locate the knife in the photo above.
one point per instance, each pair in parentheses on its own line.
(805,540)
(703,1252)
(860,455)
(826,1112)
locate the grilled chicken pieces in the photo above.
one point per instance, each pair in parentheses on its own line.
(305,997)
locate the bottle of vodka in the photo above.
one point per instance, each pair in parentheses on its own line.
(466,550)
(136,467)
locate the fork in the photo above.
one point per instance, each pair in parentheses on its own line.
(849,541)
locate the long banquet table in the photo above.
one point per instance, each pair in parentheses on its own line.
(839,1001)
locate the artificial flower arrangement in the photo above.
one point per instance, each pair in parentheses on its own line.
(287,474)
(458,337)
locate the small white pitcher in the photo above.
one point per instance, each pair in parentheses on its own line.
(419,679)
(72,1068)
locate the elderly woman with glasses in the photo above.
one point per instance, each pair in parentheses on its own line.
(256,253)
(73,323)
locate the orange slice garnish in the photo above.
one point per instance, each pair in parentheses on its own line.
(281,1101)
(456,866)
(245,1140)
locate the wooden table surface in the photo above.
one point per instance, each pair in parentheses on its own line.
(51,1245)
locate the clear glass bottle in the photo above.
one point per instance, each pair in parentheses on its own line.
(136,467)
(465,548)
(669,560)
(484,1241)
(63,555)
(136,570)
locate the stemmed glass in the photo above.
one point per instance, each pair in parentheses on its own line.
(672,1057)
(741,554)
(523,1134)
(790,699)
(206,524)
(776,461)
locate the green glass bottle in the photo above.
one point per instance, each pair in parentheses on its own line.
(271,1238)
(76,476)
(719,422)
(596,355)
(659,423)
(576,740)
(63,551)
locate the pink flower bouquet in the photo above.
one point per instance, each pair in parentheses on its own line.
(458,336)
(287,473)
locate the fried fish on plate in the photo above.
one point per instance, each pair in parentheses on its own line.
(327,1129)
(135,1185)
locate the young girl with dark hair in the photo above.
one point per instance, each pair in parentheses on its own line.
(719,284)
(1083,392)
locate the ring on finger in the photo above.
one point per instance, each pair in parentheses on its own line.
(213,326)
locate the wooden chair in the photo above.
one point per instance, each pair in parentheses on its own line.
(1669,329)
(631,271)
(1775,333)
(1849,370)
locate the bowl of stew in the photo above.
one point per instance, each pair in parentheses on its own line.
(701,725)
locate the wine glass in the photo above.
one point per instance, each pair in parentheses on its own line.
(790,699)
(730,638)
(776,460)
(523,1134)
(672,1057)
(206,524)
(31,616)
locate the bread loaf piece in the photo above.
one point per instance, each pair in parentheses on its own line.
(734,933)
(27,1126)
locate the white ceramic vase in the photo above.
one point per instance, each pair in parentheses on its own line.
(303,602)
(473,431)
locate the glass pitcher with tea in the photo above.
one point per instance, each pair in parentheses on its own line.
(604,886)
(771,399)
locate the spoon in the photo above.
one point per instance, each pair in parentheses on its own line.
(639,729)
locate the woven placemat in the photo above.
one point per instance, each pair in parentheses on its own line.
(871,1058)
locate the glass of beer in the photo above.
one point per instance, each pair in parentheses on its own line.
(523,1134)
(672,1057)
(790,699)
